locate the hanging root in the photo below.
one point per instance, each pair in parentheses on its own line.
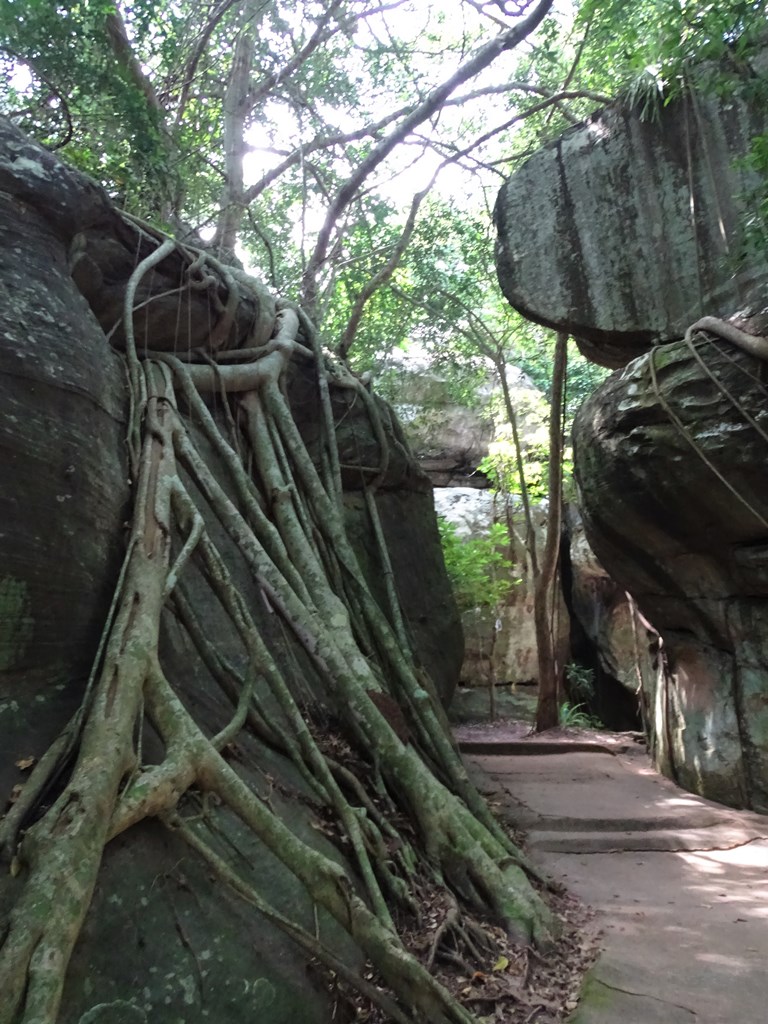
(421,818)
(59,856)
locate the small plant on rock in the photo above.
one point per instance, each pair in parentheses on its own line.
(574,716)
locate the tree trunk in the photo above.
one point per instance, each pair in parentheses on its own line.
(548,707)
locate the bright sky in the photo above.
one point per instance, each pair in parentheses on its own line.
(410,168)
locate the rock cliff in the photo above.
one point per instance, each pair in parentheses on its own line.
(671,471)
(643,222)
(64,501)
(627,229)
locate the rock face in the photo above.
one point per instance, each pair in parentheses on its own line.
(608,635)
(188,949)
(671,470)
(625,231)
(643,220)
(449,439)
(64,494)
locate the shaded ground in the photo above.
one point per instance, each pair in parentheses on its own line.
(680,884)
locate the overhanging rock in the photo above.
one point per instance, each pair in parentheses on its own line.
(624,231)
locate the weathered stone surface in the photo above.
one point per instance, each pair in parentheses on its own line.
(689,539)
(187,951)
(449,439)
(608,634)
(190,949)
(426,598)
(625,231)
(64,490)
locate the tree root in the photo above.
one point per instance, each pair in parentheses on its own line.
(60,854)
(289,530)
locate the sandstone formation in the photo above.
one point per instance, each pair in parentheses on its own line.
(644,222)
(449,438)
(671,470)
(63,504)
(628,228)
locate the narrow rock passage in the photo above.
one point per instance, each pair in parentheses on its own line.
(680,883)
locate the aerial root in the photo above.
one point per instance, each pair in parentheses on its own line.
(108,790)
(59,856)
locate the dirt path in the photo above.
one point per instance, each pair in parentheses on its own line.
(680,883)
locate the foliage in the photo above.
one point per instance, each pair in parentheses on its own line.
(479,570)
(666,42)
(650,50)
(500,465)
(581,681)
(574,716)
(146,97)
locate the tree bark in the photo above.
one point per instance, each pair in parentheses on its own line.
(242,608)
(548,707)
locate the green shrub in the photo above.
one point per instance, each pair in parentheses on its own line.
(581,681)
(479,571)
(573,716)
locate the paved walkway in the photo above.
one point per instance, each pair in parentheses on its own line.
(680,884)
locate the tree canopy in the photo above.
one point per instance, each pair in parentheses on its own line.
(349,152)
(346,153)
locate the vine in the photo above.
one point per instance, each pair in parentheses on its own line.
(751,344)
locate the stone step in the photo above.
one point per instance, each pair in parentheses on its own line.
(687,821)
(723,837)
(529,748)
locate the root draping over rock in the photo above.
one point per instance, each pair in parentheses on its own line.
(234,508)
(677,442)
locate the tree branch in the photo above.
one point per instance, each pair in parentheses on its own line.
(129,62)
(481,59)
(384,274)
(190,69)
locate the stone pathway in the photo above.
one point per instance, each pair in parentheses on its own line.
(680,883)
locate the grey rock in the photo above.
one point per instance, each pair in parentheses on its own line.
(165,941)
(625,230)
(678,512)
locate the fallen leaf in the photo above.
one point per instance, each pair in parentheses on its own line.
(501,964)
(25,762)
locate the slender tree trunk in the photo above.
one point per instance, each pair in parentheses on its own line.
(530,534)
(547,710)
(237,105)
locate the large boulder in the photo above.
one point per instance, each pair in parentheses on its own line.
(670,460)
(189,949)
(64,495)
(628,228)
(449,438)
(625,232)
